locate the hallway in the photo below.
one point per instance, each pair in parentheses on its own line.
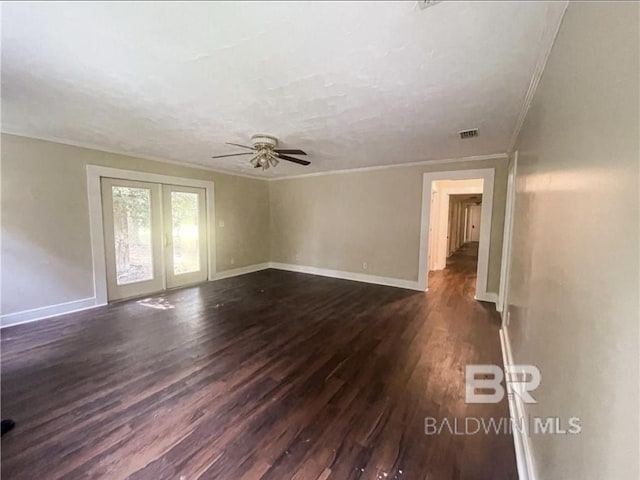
(460,273)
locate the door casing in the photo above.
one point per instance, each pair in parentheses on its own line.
(487,174)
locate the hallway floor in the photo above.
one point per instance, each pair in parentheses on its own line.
(460,272)
(271,375)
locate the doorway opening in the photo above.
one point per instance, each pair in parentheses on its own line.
(456,227)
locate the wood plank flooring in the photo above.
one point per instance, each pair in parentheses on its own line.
(272,375)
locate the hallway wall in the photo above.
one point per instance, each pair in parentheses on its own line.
(574,277)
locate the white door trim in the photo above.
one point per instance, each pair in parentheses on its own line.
(487,175)
(94,173)
(503,294)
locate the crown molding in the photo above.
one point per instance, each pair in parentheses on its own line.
(475,158)
(422,163)
(547,42)
(90,146)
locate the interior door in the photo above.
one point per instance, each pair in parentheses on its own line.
(185,235)
(474,223)
(133,237)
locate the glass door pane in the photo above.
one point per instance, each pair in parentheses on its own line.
(132,234)
(185,235)
(133,237)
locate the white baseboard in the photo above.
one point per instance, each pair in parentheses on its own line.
(357,277)
(34,314)
(86,303)
(27,316)
(487,297)
(524,453)
(241,271)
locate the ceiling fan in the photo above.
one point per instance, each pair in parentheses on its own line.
(265,154)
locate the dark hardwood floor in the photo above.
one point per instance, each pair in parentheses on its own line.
(272,375)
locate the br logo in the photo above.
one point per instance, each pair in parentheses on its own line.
(483,383)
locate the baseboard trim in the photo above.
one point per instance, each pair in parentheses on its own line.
(241,271)
(42,313)
(35,314)
(356,277)
(524,454)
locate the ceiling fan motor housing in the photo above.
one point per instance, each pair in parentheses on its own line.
(261,140)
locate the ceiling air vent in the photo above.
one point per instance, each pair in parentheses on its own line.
(468,133)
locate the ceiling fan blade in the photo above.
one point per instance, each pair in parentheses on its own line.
(231,155)
(238,145)
(290,152)
(294,160)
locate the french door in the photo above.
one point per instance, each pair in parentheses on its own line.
(155,236)
(185,235)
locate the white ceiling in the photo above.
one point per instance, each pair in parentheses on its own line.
(355,84)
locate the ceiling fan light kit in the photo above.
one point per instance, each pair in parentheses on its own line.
(267,155)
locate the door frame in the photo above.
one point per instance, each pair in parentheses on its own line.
(487,175)
(94,174)
(505,266)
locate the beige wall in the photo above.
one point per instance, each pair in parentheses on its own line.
(340,221)
(46,249)
(574,277)
(331,221)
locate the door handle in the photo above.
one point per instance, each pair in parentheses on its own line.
(167,242)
